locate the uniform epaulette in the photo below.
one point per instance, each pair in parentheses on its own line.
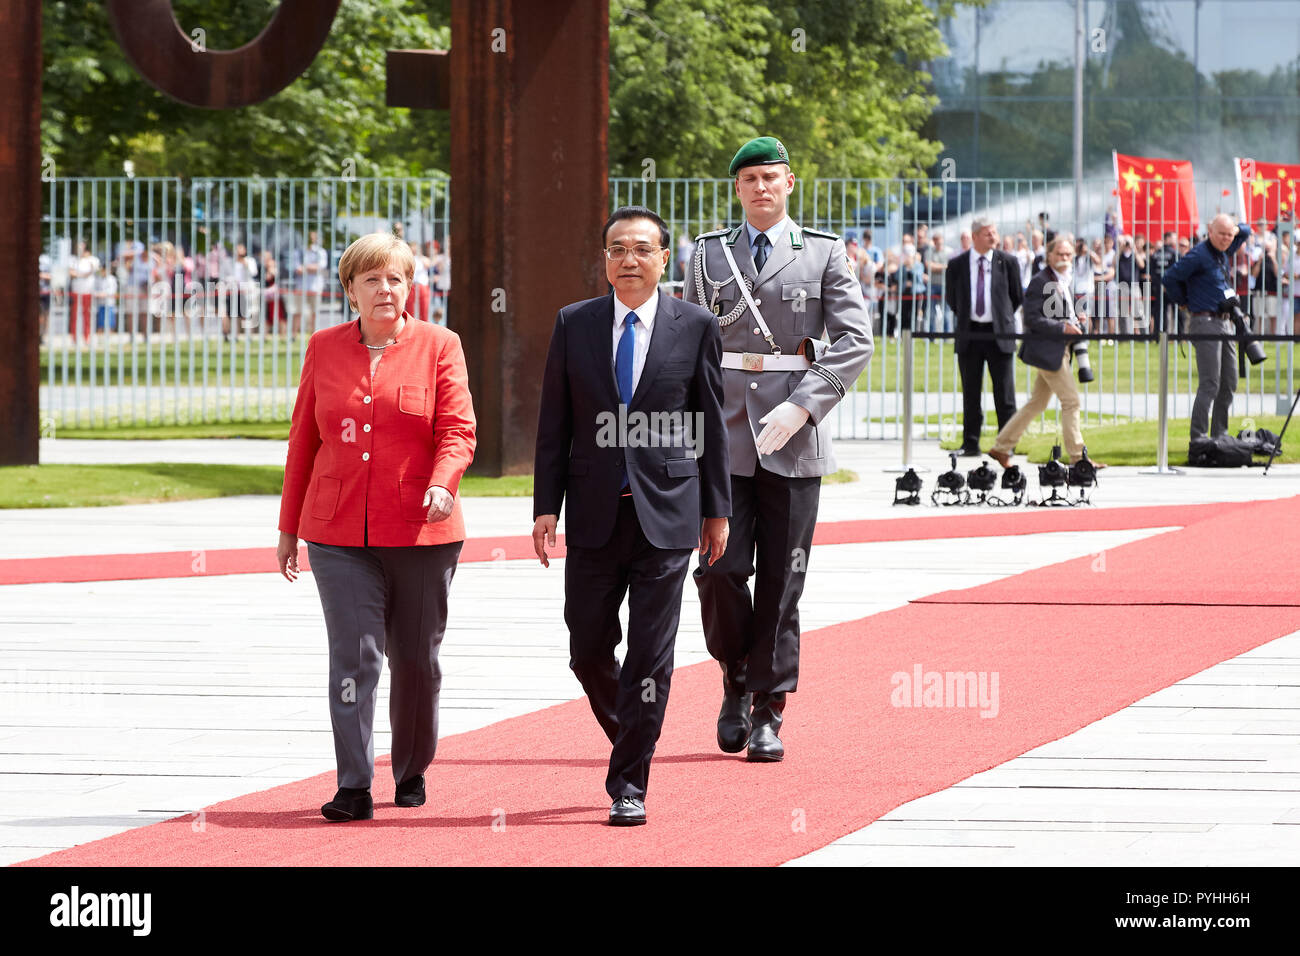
(710,235)
(819,232)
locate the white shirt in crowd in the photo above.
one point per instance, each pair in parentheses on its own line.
(645,321)
(106,289)
(83,274)
(1082,274)
(988,285)
(314,281)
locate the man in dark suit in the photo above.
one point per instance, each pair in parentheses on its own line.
(983,290)
(630,429)
(1049,317)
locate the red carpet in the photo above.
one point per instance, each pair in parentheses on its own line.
(530,790)
(1245,557)
(915,526)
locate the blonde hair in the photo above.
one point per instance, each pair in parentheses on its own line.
(374,251)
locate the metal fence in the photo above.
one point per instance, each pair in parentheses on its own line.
(192,300)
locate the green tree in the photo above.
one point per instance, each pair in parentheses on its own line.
(840,83)
(97,111)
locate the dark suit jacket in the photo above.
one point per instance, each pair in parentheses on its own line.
(1048,306)
(580,440)
(1005,294)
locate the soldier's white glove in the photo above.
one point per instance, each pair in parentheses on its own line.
(781,423)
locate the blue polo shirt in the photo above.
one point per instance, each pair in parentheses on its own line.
(1199,278)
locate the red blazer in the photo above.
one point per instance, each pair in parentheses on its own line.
(363,452)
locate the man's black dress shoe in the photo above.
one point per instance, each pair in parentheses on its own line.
(410,793)
(764,744)
(970,452)
(349,804)
(627,812)
(733,720)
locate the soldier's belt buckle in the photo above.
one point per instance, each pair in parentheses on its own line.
(751,362)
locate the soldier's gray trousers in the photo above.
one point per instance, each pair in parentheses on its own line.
(757,637)
(384,602)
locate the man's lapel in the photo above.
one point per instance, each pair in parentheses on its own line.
(600,333)
(781,255)
(662,336)
(997,282)
(744,255)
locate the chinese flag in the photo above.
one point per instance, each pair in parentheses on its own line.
(1155,196)
(1266,191)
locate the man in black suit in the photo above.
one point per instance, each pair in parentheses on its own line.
(631,431)
(1050,316)
(983,290)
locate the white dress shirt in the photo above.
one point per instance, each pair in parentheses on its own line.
(645,323)
(988,285)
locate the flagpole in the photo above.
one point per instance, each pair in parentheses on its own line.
(1078,115)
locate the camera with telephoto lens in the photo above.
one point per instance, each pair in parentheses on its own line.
(1231,307)
(1081,363)
(1079,349)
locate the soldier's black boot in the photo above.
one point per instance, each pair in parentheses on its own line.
(733,720)
(764,744)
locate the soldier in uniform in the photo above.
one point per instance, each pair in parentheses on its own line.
(777,288)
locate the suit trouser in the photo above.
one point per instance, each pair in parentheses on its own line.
(628,700)
(1002,369)
(757,639)
(377,602)
(1216,372)
(1047,383)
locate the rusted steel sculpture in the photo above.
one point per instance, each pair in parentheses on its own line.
(528,89)
(176,64)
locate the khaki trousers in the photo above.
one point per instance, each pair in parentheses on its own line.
(1046,384)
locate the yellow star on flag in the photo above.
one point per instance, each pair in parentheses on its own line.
(1281,173)
(1259,187)
(1131,180)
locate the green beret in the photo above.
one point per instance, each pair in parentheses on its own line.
(763,151)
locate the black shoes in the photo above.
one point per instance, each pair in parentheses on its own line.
(969,452)
(764,744)
(349,804)
(733,720)
(410,793)
(627,812)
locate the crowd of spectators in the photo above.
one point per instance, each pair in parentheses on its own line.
(164,290)
(1116,276)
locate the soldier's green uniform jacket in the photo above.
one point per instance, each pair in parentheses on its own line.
(806,289)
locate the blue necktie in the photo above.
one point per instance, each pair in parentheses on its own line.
(623,361)
(760,251)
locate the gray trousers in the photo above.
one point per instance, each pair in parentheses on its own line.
(1216,371)
(384,602)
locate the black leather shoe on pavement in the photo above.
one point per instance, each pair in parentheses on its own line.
(970,451)
(733,719)
(410,793)
(764,744)
(349,804)
(627,812)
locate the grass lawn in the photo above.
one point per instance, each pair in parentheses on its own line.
(270,430)
(1134,443)
(273,360)
(89,486)
(1119,368)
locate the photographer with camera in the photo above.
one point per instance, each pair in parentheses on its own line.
(1049,316)
(1201,281)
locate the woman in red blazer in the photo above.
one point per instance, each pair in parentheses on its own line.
(383,429)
